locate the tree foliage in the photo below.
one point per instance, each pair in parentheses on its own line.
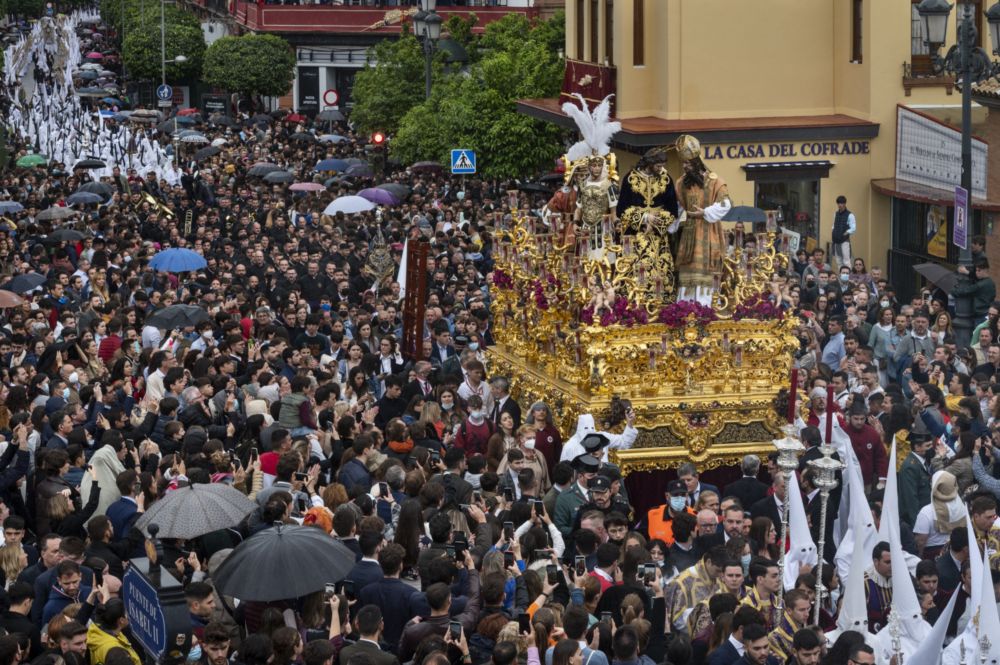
(475,108)
(141,48)
(251,64)
(391,84)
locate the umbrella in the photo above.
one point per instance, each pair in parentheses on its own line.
(112,101)
(197,509)
(351,161)
(10,299)
(194,138)
(379,196)
(10,207)
(938,275)
(83,198)
(553,177)
(283,562)
(223,122)
(261,117)
(330,115)
(186,120)
(535,187)
(276,113)
(88,75)
(306,187)
(177,259)
(332,165)
(338,180)
(332,138)
(261,169)
(178,316)
(279,177)
(747,214)
(91,65)
(183,112)
(32,160)
(427,167)
(205,153)
(54,213)
(101,188)
(360,171)
(305,137)
(65,235)
(296,117)
(94,55)
(89,163)
(396,189)
(348,205)
(147,113)
(24,283)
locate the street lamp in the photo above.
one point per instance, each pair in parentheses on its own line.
(427,26)
(969,64)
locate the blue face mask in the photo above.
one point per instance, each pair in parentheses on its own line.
(745,562)
(473,346)
(677,503)
(195,654)
(326,307)
(66,394)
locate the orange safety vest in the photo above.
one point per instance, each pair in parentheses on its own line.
(659,527)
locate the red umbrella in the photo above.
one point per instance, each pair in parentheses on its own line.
(188,112)
(295,117)
(94,55)
(307,187)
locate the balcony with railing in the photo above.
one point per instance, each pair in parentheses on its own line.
(383,17)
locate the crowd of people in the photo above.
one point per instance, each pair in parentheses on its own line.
(479,534)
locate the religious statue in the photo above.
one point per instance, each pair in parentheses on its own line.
(647,206)
(563,203)
(704,200)
(597,189)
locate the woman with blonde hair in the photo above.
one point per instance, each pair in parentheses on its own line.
(13,559)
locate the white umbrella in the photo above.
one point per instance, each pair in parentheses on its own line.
(194,138)
(218,142)
(349,205)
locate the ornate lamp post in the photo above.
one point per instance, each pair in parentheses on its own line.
(427,25)
(789,448)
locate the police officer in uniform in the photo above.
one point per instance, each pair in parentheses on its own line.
(569,501)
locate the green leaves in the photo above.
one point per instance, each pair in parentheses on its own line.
(141,49)
(474,108)
(251,64)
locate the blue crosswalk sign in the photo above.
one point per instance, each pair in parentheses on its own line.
(164,92)
(463,162)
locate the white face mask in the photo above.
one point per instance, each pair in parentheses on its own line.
(208,334)
(529,444)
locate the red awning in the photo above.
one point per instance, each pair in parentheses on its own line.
(901,189)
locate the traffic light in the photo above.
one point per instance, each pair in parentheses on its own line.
(378,139)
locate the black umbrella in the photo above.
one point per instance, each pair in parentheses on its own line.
(66,235)
(100,188)
(330,115)
(553,177)
(205,153)
(177,316)
(283,562)
(197,509)
(24,283)
(223,121)
(304,137)
(360,171)
(938,275)
(747,214)
(535,187)
(262,169)
(277,113)
(279,177)
(398,190)
(261,117)
(89,163)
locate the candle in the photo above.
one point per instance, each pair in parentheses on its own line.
(725,342)
(829,414)
(663,343)
(658,287)
(577,354)
(716,281)
(652,358)
(791,396)
(739,238)
(627,245)
(738,355)
(642,275)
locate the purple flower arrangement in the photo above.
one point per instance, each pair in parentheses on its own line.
(622,312)
(675,315)
(759,308)
(541,302)
(502,280)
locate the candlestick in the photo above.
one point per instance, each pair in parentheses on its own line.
(826,481)
(577,354)
(738,355)
(652,358)
(725,342)
(642,275)
(791,396)
(829,414)
(627,245)
(739,238)
(658,287)
(663,343)
(716,281)
(789,448)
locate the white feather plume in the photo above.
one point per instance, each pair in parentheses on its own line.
(595,128)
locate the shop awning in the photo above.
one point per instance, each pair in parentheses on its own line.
(780,171)
(902,189)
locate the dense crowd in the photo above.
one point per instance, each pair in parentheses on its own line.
(480,533)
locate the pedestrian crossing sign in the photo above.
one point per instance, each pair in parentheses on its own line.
(463,162)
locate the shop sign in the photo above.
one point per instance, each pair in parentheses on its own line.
(786,150)
(929,152)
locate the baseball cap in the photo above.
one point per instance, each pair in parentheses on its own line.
(676,488)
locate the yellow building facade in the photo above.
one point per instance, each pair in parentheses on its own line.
(795,102)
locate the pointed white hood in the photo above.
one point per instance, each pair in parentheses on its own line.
(929,652)
(584,426)
(802,550)
(853,556)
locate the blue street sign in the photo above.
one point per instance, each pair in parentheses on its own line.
(463,162)
(960,229)
(164,92)
(145,614)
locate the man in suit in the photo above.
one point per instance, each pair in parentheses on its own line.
(443,348)
(915,479)
(421,385)
(125,511)
(748,489)
(367,571)
(503,402)
(732,649)
(688,473)
(770,506)
(949,563)
(756,648)
(370,627)
(390,593)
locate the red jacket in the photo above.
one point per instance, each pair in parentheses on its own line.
(870,451)
(473,438)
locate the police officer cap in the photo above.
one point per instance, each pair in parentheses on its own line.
(594,442)
(611,472)
(586,463)
(599,483)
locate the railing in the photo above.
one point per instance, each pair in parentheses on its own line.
(374,16)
